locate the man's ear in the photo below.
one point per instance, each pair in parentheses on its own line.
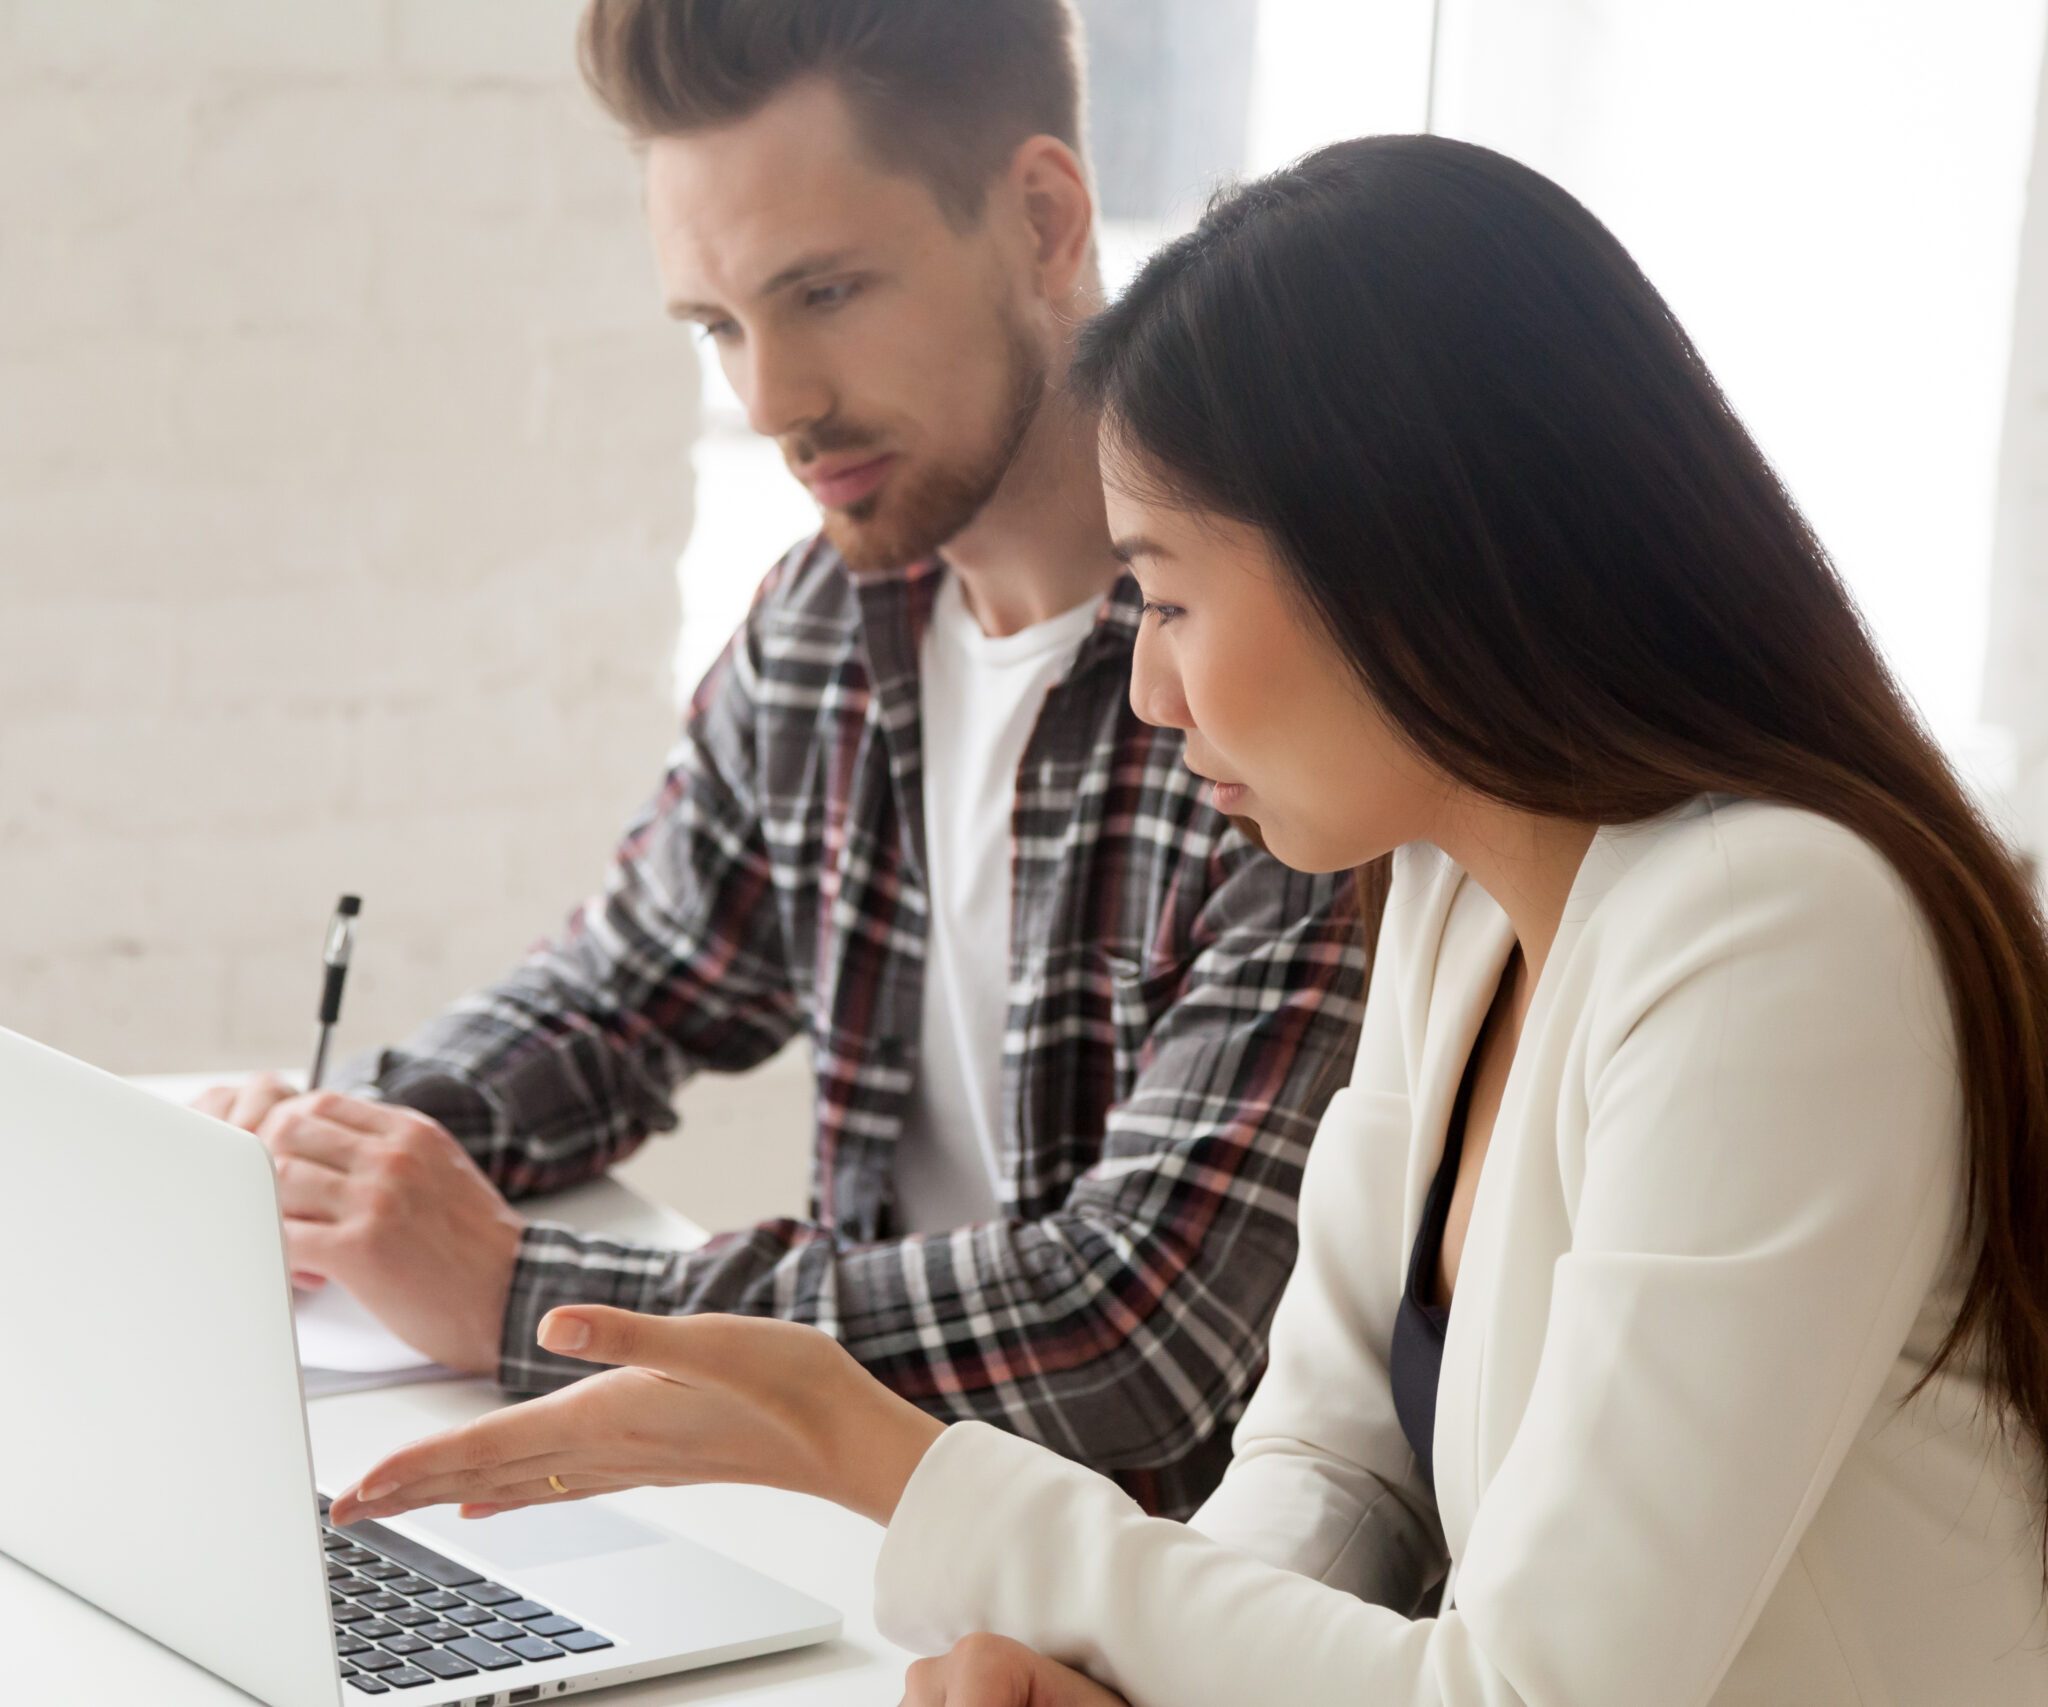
(1051,188)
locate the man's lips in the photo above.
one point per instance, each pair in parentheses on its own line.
(838,484)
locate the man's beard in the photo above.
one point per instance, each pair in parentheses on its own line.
(926,507)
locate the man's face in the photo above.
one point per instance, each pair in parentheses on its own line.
(892,357)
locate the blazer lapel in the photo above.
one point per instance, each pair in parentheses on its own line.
(1474,1421)
(1472,952)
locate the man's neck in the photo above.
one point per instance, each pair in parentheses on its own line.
(1041,544)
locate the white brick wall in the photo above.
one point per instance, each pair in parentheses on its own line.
(343,472)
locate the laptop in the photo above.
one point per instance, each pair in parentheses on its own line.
(154,1443)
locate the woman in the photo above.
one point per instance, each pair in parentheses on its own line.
(1672,1307)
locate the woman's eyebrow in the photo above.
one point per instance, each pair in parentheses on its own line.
(1137,545)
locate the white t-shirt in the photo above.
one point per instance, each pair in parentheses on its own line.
(981,699)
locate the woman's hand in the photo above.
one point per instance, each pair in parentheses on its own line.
(698,1399)
(992,1671)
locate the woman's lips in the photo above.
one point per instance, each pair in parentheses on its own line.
(1228,795)
(850,484)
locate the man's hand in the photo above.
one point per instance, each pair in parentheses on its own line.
(992,1671)
(386,1202)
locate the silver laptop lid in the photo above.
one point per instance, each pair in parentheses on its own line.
(153,1452)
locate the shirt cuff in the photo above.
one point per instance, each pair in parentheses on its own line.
(940,1573)
(557,1266)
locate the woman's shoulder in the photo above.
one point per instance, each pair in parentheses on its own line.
(1722,852)
(1768,899)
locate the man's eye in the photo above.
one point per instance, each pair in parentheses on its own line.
(835,295)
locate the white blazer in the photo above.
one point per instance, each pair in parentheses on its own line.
(1714,1246)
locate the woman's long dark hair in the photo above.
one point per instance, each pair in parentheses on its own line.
(1505,483)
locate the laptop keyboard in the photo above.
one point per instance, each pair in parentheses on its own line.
(405,1615)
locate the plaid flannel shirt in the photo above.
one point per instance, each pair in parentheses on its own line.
(1181,1007)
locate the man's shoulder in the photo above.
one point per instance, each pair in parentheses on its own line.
(809,583)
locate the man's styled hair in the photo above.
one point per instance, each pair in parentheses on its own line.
(943,89)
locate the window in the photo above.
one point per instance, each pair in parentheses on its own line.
(1828,192)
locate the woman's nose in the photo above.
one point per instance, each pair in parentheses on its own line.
(1156,696)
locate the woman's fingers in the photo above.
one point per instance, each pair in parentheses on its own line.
(467,1457)
(597,1333)
(519,1495)
(924,1684)
(522,1483)
(993,1671)
(708,1398)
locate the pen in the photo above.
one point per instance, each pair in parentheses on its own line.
(341,942)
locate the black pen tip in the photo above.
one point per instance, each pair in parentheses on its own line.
(349,905)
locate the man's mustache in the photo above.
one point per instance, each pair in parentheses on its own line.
(825,439)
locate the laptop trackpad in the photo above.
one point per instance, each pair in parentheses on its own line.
(542,1534)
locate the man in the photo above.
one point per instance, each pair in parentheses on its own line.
(1071,1031)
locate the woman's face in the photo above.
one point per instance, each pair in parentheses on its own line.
(1273,714)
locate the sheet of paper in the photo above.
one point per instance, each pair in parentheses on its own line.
(335,1332)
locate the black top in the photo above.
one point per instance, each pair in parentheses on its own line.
(1415,1362)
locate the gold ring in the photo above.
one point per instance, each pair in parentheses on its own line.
(555,1482)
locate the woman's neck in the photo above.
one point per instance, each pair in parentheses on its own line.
(1526,862)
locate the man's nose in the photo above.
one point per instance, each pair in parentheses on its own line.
(782,394)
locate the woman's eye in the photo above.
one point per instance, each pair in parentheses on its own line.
(1165,613)
(714,331)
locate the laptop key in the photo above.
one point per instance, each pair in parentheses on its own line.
(421,1561)
(406,1677)
(411,1616)
(344,1645)
(472,1615)
(383,1570)
(497,1630)
(376,1630)
(444,1664)
(443,1632)
(382,1601)
(405,1642)
(488,1594)
(348,1614)
(376,1660)
(353,1554)
(525,1609)
(409,1585)
(552,1625)
(583,1641)
(479,1652)
(350,1586)
(370,1685)
(533,1648)
(441,1600)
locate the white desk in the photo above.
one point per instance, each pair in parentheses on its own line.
(67,1653)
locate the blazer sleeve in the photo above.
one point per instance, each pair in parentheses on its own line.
(1322,1481)
(1771,1183)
